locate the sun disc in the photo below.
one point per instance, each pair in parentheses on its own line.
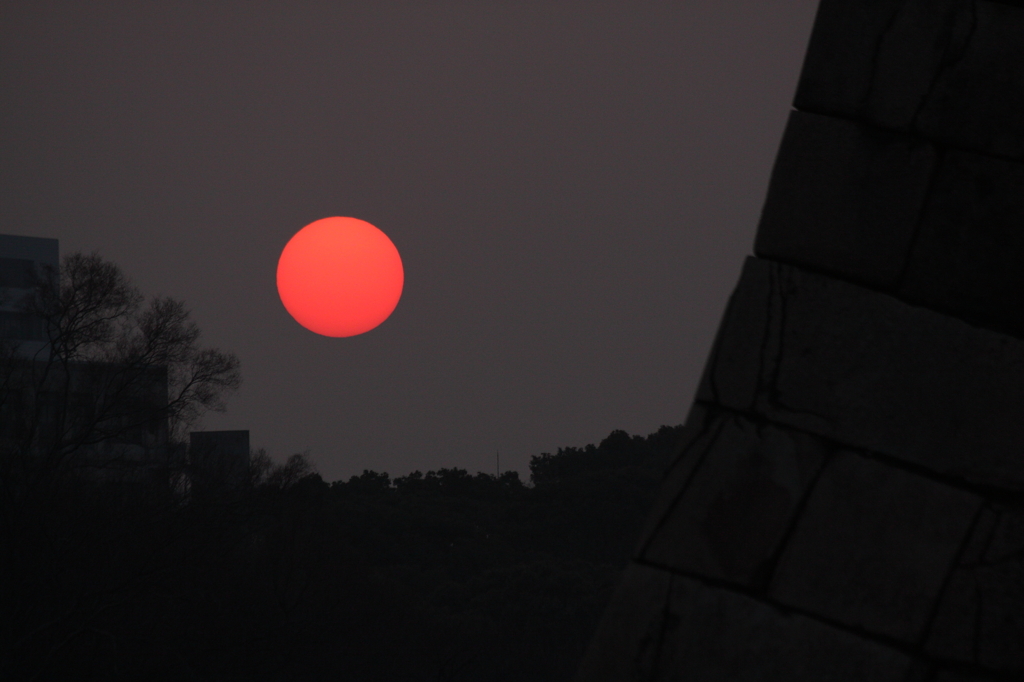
(340,277)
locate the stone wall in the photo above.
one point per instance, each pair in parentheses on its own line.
(849,501)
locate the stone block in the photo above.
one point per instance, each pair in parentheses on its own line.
(700,428)
(952,70)
(872,372)
(951,676)
(626,642)
(919,42)
(952,633)
(661,627)
(967,257)
(873,547)
(845,198)
(981,616)
(949,633)
(714,634)
(977,99)
(1001,591)
(838,68)
(740,356)
(742,498)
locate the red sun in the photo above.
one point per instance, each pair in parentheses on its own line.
(340,277)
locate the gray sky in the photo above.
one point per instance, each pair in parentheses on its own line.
(572,187)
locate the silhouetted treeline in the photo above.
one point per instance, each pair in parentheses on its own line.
(436,576)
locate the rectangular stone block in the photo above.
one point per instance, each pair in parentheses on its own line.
(700,429)
(626,643)
(981,616)
(845,198)
(714,634)
(837,73)
(742,353)
(872,372)
(873,547)
(729,522)
(661,627)
(977,99)
(951,676)
(967,257)
(952,70)
(949,633)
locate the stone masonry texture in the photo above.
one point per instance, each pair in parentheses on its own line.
(845,197)
(847,503)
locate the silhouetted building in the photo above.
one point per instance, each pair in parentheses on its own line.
(104,419)
(23,260)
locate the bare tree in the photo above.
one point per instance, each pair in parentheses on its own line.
(102,394)
(112,368)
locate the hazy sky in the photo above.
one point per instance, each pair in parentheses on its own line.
(572,186)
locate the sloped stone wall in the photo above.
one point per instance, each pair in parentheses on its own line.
(848,504)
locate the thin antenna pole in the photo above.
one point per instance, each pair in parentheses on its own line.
(497,467)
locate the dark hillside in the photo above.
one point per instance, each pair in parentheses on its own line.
(435,576)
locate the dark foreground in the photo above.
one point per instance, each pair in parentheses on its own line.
(442,576)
